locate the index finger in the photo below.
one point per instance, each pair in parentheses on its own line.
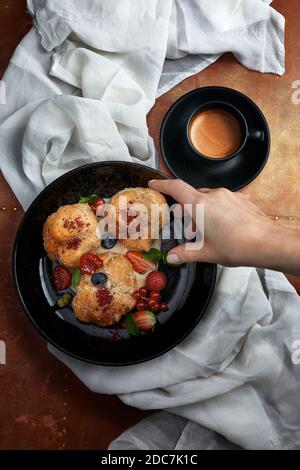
(178,189)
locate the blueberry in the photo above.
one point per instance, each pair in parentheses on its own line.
(98,279)
(108,243)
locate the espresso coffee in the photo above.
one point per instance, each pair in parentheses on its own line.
(216,133)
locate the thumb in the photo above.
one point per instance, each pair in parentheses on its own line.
(188,253)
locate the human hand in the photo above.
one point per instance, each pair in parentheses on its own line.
(237,232)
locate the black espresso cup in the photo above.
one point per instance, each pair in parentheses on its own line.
(218,131)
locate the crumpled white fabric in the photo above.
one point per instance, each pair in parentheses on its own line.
(166,431)
(236,375)
(78,89)
(81,83)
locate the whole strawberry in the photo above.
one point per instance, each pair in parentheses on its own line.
(144,320)
(61,278)
(89,263)
(156,280)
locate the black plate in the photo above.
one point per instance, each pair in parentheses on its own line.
(189,286)
(203,173)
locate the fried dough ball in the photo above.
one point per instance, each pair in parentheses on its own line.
(137,211)
(105,304)
(70,232)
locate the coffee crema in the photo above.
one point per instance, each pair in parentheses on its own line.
(216,133)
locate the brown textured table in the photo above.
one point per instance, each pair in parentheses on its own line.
(42,405)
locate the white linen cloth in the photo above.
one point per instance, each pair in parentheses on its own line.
(78,90)
(80,84)
(234,375)
(166,431)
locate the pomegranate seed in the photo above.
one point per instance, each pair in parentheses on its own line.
(163,307)
(143,291)
(136,295)
(153,305)
(141,304)
(155,295)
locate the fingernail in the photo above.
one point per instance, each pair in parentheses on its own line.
(172,258)
(151,181)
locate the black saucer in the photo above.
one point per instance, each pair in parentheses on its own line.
(200,172)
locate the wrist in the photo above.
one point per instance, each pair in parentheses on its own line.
(279,249)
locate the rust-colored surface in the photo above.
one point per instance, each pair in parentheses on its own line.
(277,189)
(42,405)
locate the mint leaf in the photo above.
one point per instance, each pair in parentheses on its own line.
(130,325)
(152,255)
(75,278)
(164,256)
(155,255)
(89,199)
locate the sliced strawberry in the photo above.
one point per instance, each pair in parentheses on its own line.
(61,278)
(139,263)
(89,263)
(156,280)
